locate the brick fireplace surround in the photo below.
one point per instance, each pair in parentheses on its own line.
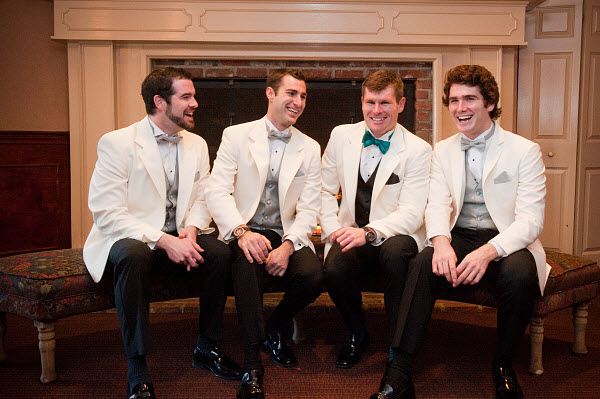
(113,45)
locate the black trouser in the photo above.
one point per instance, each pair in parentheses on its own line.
(302,284)
(344,272)
(513,281)
(131,263)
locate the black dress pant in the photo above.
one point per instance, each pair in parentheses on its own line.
(513,281)
(131,264)
(344,272)
(301,283)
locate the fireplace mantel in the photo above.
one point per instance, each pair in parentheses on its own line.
(111,45)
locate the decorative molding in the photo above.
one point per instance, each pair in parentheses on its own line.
(593,116)
(556,198)
(552,95)
(294,21)
(595,21)
(325,21)
(591,230)
(553,22)
(454,23)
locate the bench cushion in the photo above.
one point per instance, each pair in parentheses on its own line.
(50,285)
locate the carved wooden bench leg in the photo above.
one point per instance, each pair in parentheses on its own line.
(536,333)
(47,346)
(2,334)
(580,314)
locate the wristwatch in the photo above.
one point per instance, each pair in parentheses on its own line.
(240,230)
(370,234)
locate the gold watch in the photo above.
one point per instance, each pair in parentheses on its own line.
(240,230)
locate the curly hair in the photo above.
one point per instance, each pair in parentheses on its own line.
(160,82)
(474,76)
(380,80)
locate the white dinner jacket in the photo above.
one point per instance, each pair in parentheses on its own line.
(514,189)
(127,195)
(240,172)
(397,205)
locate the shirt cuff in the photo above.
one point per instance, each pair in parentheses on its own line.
(295,241)
(379,238)
(501,252)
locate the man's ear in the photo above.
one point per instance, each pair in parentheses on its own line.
(270,93)
(159,102)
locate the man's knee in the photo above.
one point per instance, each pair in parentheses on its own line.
(309,271)
(397,252)
(338,264)
(131,254)
(518,271)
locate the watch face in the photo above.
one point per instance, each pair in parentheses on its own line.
(238,231)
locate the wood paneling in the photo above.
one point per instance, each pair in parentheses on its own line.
(35,199)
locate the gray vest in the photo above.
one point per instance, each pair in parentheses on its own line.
(474,214)
(170,225)
(268,215)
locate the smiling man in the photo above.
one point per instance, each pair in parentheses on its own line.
(484,215)
(264,196)
(147,200)
(383,172)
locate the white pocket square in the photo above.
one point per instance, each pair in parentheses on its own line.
(197,175)
(502,178)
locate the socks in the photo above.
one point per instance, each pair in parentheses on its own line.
(137,371)
(400,368)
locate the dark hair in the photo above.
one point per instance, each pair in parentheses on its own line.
(380,80)
(160,82)
(274,78)
(474,76)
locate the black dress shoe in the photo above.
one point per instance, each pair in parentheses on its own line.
(505,380)
(142,390)
(280,351)
(217,362)
(351,352)
(251,387)
(387,392)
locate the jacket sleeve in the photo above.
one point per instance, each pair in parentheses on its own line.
(439,201)
(330,187)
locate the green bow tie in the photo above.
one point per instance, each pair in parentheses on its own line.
(369,139)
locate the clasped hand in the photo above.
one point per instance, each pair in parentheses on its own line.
(184,249)
(348,237)
(257,247)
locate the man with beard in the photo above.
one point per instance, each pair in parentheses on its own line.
(147,200)
(264,196)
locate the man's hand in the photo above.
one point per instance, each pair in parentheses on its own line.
(183,251)
(443,262)
(277,261)
(255,246)
(348,237)
(474,265)
(190,232)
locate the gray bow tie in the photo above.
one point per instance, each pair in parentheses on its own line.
(167,138)
(276,135)
(466,144)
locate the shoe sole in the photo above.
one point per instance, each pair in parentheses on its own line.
(202,366)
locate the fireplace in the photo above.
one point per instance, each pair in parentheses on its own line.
(113,45)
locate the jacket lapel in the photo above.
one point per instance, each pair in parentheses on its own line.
(351,153)
(389,161)
(456,166)
(493,152)
(149,155)
(187,159)
(259,150)
(292,159)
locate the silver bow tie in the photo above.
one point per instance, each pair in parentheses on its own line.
(167,138)
(466,144)
(275,135)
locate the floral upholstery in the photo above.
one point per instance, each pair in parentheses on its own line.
(50,285)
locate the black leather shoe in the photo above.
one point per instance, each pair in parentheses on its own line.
(351,352)
(142,390)
(280,351)
(217,362)
(387,392)
(251,387)
(505,380)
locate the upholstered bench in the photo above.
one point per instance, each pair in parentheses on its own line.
(48,286)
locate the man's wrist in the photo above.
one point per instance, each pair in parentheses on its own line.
(239,231)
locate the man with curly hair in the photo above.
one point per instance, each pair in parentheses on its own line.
(484,215)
